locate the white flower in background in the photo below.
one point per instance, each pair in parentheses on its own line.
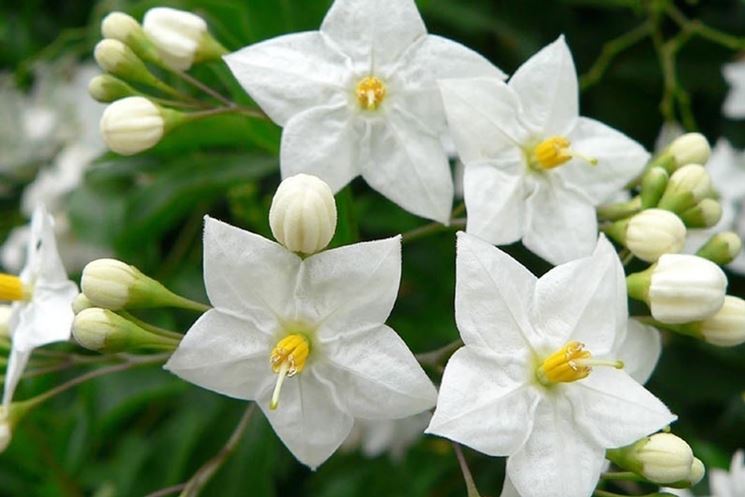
(359,97)
(734,104)
(392,436)
(535,170)
(304,338)
(42,300)
(538,379)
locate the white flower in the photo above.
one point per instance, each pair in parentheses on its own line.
(311,327)
(359,97)
(524,385)
(535,170)
(732,483)
(42,300)
(394,436)
(734,104)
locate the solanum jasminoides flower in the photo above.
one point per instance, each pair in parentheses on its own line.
(304,338)
(359,97)
(734,105)
(42,300)
(535,170)
(540,377)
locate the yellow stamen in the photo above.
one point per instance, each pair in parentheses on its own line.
(555,151)
(11,288)
(288,359)
(370,92)
(570,363)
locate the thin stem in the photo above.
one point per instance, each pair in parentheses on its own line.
(605,493)
(704,31)
(219,111)
(203,475)
(611,49)
(167,491)
(471,489)
(622,475)
(206,89)
(189,304)
(626,256)
(152,328)
(435,357)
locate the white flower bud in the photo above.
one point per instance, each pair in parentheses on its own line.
(664,458)
(177,35)
(114,57)
(102,330)
(726,328)
(698,470)
(81,303)
(721,248)
(685,288)
(687,187)
(132,125)
(705,214)
(654,232)
(5,312)
(690,148)
(6,433)
(119,26)
(107,88)
(303,214)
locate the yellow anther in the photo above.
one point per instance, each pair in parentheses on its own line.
(11,288)
(570,363)
(555,151)
(288,359)
(370,92)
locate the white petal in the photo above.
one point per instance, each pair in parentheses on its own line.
(547,86)
(247,274)
(583,300)
(483,117)
(291,73)
(557,460)
(376,375)
(373,34)
(560,225)
(308,419)
(408,166)
(620,159)
(485,402)
(349,289)
(734,104)
(323,142)
(508,489)
(495,198)
(640,350)
(16,364)
(492,295)
(47,318)
(614,410)
(43,262)
(225,354)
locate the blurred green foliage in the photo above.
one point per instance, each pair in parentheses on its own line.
(133,433)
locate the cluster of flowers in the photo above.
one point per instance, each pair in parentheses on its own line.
(551,371)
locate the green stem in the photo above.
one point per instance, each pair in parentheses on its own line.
(188,304)
(435,357)
(152,328)
(471,489)
(204,88)
(622,475)
(611,49)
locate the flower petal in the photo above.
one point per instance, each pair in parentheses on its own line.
(308,419)
(560,225)
(16,364)
(225,354)
(492,295)
(376,375)
(47,318)
(292,73)
(640,350)
(495,198)
(557,460)
(408,166)
(613,410)
(734,104)
(236,260)
(323,142)
(583,300)
(547,87)
(350,288)
(620,159)
(43,262)
(373,34)
(485,403)
(508,489)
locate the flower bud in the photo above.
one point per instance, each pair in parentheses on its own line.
(6,430)
(81,303)
(106,88)
(698,471)
(5,312)
(123,27)
(721,248)
(687,187)
(690,148)
(181,37)
(132,125)
(303,214)
(102,330)
(654,183)
(726,328)
(118,59)
(705,214)
(662,458)
(654,232)
(680,288)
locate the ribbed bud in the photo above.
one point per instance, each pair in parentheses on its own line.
(81,303)
(106,88)
(132,125)
(123,27)
(102,330)
(654,232)
(662,458)
(721,248)
(303,214)
(116,58)
(5,311)
(726,328)
(687,187)
(705,214)
(690,148)
(698,471)
(654,183)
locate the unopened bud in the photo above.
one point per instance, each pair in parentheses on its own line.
(133,124)
(303,214)
(698,471)
(705,214)
(687,187)
(81,303)
(6,430)
(654,183)
(662,458)
(123,27)
(118,59)
(5,312)
(651,233)
(690,148)
(181,37)
(726,328)
(102,330)
(721,248)
(107,88)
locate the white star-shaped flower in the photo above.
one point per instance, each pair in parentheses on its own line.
(304,338)
(359,97)
(42,300)
(535,170)
(734,104)
(537,378)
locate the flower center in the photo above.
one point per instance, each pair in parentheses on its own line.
(370,92)
(288,359)
(12,288)
(570,363)
(553,152)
